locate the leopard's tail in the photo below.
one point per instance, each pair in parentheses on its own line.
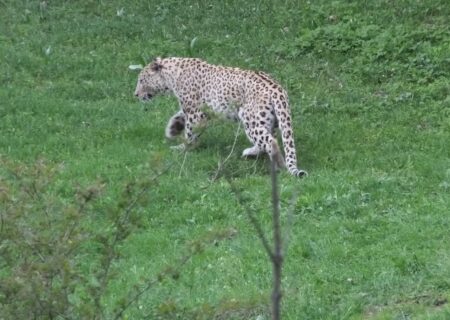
(281,106)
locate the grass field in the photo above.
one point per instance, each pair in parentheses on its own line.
(369,83)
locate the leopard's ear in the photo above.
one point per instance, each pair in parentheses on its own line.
(156,65)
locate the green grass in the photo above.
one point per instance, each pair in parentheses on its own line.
(369,84)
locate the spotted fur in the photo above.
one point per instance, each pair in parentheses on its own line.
(252,97)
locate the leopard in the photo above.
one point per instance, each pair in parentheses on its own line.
(252,97)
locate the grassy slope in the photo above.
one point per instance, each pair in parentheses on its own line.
(369,88)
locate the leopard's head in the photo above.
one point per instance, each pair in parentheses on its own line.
(151,82)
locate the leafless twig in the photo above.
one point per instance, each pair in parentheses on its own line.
(118,223)
(289,216)
(222,163)
(254,221)
(174,271)
(275,254)
(182,164)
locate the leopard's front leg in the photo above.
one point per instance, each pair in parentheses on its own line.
(176,125)
(193,117)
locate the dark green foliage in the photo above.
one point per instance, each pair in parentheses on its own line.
(45,241)
(47,245)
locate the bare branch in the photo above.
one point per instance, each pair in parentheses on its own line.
(275,255)
(289,224)
(168,272)
(182,164)
(253,220)
(121,219)
(221,164)
(174,270)
(277,258)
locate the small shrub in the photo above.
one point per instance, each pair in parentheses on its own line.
(45,240)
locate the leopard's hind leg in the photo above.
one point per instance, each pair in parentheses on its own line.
(261,137)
